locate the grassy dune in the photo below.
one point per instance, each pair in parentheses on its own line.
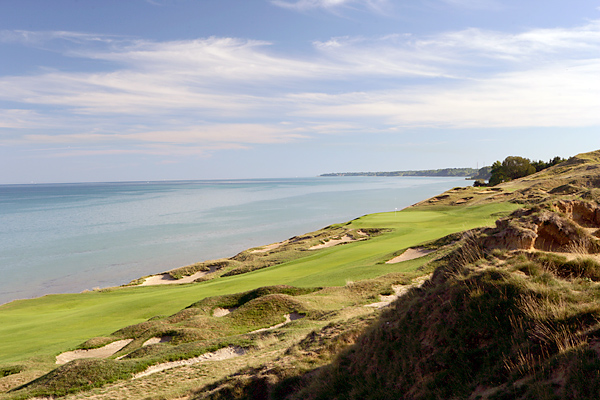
(46,326)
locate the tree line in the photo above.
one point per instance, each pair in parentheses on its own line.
(466,172)
(514,167)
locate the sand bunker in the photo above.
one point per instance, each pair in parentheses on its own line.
(270,247)
(333,242)
(166,279)
(288,318)
(102,352)
(221,312)
(221,354)
(156,340)
(410,254)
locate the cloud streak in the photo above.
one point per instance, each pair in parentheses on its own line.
(217,93)
(304,5)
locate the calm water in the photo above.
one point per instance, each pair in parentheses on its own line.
(70,237)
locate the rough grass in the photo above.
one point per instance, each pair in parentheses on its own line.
(490,323)
(78,375)
(474,329)
(273,379)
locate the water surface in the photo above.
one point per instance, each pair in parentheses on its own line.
(57,238)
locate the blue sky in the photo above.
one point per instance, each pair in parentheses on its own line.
(113,90)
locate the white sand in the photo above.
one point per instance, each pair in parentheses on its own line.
(288,318)
(410,254)
(166,279)
(270,247)
(221,354)
(333,242)
(156,340)
(102,352)
(221,312)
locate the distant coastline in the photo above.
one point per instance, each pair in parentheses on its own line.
(446,172)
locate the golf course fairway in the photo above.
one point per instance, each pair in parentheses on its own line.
(46,326)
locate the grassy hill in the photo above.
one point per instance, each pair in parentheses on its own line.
(502,304)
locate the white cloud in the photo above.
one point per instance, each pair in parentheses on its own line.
(153,150)
(559,95)
(18,118)
(537,45)
(58,40)
(221,133)
(475,4)
(215,92)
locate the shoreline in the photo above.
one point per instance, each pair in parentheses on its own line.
(364,197)
(164,276)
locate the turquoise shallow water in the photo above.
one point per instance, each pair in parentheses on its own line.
(58,238)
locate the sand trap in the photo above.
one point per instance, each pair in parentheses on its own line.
(156,340)
(398,291)
(410,254)
(166,279)
(270,247)
(102,352)
(221,354)
(221,312)
(333,242)
(288,318)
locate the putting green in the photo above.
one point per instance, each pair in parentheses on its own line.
(46,326)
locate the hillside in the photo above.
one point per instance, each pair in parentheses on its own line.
(477,293)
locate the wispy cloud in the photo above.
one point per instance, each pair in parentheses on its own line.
(223,133)
(215,93)
(303,5)
(152,149)
(560,95)
(475,4)
(30,37)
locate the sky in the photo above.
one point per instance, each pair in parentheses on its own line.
(113,90)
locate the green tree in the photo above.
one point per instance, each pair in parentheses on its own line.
(539,165)
(556,160)
(498,175)
(516,167)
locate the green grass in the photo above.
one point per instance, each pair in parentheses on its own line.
(46,326)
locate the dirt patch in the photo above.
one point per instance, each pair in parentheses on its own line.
(410,254)
(221,354)
(399,290)
(585,214)
(102,352)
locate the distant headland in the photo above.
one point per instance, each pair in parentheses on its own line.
(470,173)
